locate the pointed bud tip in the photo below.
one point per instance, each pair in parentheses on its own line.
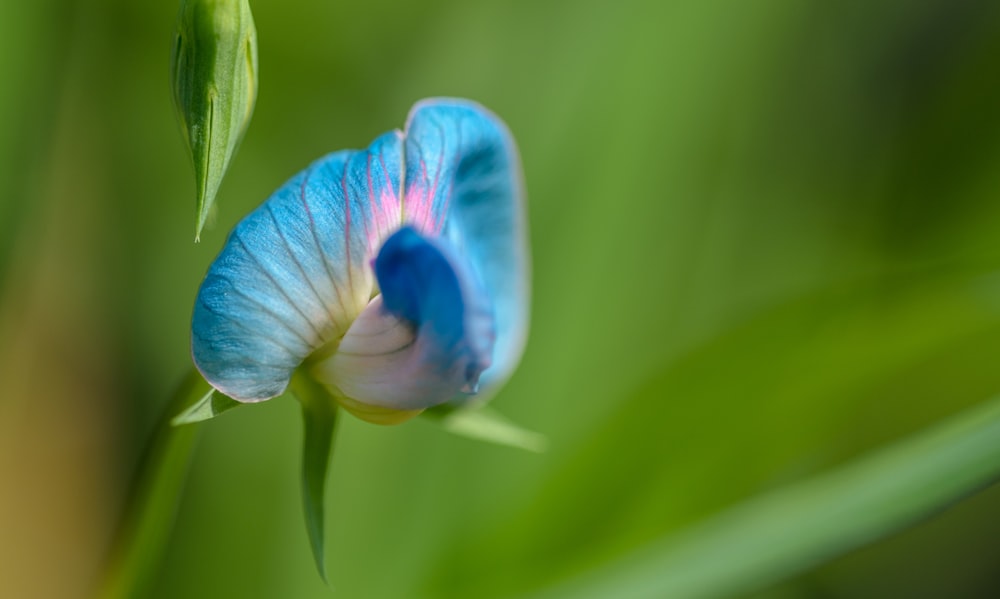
(214,77)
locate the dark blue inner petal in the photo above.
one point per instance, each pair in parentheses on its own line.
(426,286)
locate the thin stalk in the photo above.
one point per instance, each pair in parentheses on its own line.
(152,504)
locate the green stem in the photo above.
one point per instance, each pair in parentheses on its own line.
(152,505)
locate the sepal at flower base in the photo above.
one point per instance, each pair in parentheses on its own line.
(319,420)
(209,406)
(487,425)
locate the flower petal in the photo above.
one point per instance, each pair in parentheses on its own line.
(463,182)
(424,340)
(294,274)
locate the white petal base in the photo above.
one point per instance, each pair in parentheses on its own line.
(383,372)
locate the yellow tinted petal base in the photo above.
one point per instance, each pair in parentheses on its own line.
(375,414)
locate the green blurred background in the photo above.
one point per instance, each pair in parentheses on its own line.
(766,239)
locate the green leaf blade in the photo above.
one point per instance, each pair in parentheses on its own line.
(772,537)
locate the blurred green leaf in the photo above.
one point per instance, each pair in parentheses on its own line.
(209,406)
(28,116)
(485,424)
(319,415)
(776,535)
(797,387)
(214,73)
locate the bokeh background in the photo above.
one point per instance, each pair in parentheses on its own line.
(766,239)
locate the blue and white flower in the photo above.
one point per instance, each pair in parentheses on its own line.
(397,277)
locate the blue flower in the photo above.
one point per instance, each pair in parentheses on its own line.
(397,277)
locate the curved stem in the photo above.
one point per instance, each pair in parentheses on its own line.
(152,504)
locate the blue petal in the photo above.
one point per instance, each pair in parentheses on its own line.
(426,338)
(294,274)
(463,183)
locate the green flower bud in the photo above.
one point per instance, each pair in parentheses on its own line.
(214,74)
